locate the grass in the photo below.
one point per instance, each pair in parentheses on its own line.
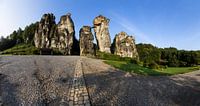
(21,49)
(109,56)
(179,70)
(129,67)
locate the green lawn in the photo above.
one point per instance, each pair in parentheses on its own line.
(129,67)
(179,70)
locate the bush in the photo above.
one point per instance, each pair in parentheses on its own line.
(56,52)
(145,64)
(163,67)
(154,65)
(109,56)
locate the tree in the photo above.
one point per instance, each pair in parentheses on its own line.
(148,53)
(6,43)
(29,31)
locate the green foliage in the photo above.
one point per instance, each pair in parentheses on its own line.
(168,56)
(56,52)
(148,53)
(108,56)
(179,58)
(19,37)
(22,49)
(6,43)
(134,68)
(28,34)
(153,65)
(128,67)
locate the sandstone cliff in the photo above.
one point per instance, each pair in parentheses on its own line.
(45,31)
(101,25)
(66,33)
(124,46)
(61,36)
(86,41)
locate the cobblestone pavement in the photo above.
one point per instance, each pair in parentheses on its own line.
(110,87)
(36,80)
(71,80)
(78,94)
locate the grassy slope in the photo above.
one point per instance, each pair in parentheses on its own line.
(21,49)
(146,71)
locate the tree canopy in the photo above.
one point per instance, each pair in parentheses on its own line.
(167,56)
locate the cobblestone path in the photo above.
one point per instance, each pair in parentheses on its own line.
(79,81)
(78,94)
(108,86)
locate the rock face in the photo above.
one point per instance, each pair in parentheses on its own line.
(124,46)
(50,35)
(66,34)
(86,41)
(102,34)
(45,31)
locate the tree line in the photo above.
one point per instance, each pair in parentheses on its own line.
(167,57)
(18,37)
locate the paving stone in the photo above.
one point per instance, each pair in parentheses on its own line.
(78,86)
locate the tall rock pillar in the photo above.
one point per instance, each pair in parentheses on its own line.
(101,25)
(86,41)
(45,31)
(66,33)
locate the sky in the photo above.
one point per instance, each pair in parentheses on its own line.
(163,23)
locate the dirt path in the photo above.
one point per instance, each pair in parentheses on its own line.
(49,80)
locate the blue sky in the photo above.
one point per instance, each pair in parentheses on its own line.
(163,23)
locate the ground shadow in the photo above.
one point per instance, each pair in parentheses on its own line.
(119,88)
(8,92)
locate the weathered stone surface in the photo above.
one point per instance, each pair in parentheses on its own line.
(86,41)
(124,45)
(59,36)
(45,31)
(66,34)
(102,34)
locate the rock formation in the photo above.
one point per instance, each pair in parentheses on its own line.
(102,34)
(45,31)
(50,35)
(66,34)
(86,41)
(124,46)
(61,36)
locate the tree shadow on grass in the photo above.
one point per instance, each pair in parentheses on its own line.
(112,87)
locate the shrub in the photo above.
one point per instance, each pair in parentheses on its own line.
(109,56)
(154,65)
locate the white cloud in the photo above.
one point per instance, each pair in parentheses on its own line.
(130,27)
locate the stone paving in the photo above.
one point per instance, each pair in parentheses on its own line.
(1,101)
(36,80)
(78,81)
(108,86)
(78,95)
